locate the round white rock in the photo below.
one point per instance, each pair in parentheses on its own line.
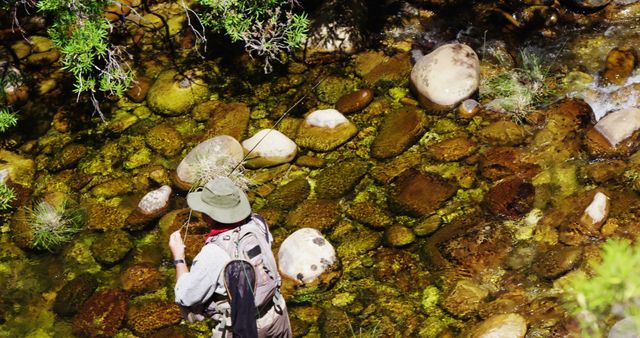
(218,149)
(326,118)
(305,255)
(446,76)
(269,147)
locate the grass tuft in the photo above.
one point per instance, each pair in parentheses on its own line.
(52,227)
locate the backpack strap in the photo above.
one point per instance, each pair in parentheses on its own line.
(264,223)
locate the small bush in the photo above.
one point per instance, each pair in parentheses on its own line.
(7,195)
(520,90)
(611,293)
(51,227)
(7,119)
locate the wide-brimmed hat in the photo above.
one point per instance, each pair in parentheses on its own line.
(221,200)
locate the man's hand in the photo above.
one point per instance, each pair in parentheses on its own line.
(176,245)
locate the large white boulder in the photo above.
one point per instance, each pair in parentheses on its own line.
(446,76)
(267,148)
(619,125)
(305,255)
(216,156)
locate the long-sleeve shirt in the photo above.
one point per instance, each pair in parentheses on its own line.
(204,278)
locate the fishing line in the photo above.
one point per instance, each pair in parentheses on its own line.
(276,124)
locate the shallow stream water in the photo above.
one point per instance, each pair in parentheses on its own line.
(477,216)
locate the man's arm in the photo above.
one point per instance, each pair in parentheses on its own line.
(177,250)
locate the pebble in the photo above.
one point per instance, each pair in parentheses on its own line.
(355,101)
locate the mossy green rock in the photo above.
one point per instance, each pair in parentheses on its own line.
(399,131)
(112,188)
(101,315)
(370,214)
(152,316)
(73,294)
(318,214)
(103,161)
(68,157)
(174,94)
(111,247)
(340,179)
(335,323)
(139,158)
(21,169)
(324,139)
(164,139)
(289,195)
(358,242)
(106,217)
(332,88)
(229,119)
(503,133)
(398,235)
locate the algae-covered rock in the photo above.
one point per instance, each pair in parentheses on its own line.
(325,130)
(358,242)
(399,130)
(111,247)
(420,194)
(427,225)
(164,139)
(103,161)
(464,299)
(152,316)
(140,278)
(112,188)
(229,119)
(305,255)
(557,260)
(335,323)
(289,195)
(68,157)
(21,169)
(399,235)
(452,149)
(73,294)
(399,268)
(175,94)
(317,213)
(500,162)
(619,65)
(369,213)
(121,121)
(381,72)
(103,216)
(101,315)
(339,179)
(333,88)
(504,133)
(139,158)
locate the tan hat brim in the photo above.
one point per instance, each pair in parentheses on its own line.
(223,215)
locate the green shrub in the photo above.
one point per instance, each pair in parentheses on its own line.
(520,90)
(53,226)
(7,195)
(267,28)
(611,293)
(7,119)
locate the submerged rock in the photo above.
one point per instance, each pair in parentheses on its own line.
(503,133)
(370,214)
(325,130)
(140,278)
(557,260)
(268,148)
(511,325)
(336,181)
(618,67)
(333,88)
(111,247)
(139,89)
(289,195)
(317,214)
(152,316)
(399,131)
(175,94)
(452,149)
(73,294)
(399,235)
(101,315)
(510,199)
(464,299)
(164,139)
(419,194)
(229,119)
(152,205)
(446,76)
(305,255)
(355,101)
(21,169)
(68,157)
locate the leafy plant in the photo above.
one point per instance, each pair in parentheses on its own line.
(7,195)
(267,28)
(520,90)
(7,119)
(612,292)
(53,226)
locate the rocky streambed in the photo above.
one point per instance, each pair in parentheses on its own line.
(447,218)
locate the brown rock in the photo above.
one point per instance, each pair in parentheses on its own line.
(117,10)
(557,260)
(601,172)
(399,131)
(101,315)
(391,72)
(619,65)
(500,162)
(317,214)
(420,194)
(505,133)
(452,149)
(203,111)
(152,316)
(139,89)
(229,119)
(354,101)
(598,146)
(465,298)
(310,161)
(141,277)
(510,199)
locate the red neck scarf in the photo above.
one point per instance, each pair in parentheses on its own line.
(218,228)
